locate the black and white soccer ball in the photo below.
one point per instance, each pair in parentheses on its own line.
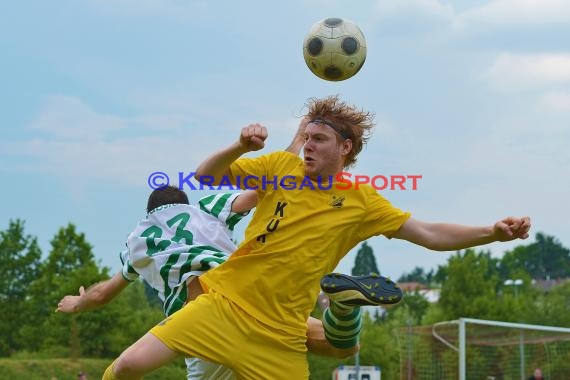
(334,49)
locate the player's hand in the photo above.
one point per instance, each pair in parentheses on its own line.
(301,130)
(512,228)
(70,304)
(253,137)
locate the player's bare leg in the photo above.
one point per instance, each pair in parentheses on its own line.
(145,355)
(317,342)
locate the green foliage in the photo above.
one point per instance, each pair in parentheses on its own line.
(101,333)
(19,261)
(411,309)
(418,275)
(474,287)
(379,346)
(545,258)
(433,314)
(321,367)
(66,369)
(364,263)
(471,287)
(560,367)
(552,308)
(69,265)
(134,316)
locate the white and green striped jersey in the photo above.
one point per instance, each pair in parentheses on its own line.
(176,241)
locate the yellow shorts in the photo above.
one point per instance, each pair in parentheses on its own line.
(215,329)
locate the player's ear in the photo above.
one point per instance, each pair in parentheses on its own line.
(346,146)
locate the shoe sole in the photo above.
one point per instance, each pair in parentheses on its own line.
(361,290)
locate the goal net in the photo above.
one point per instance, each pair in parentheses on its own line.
(474,349)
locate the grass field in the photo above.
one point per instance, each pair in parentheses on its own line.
(67,369)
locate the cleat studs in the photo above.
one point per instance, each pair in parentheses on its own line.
(373,294)
(376,285)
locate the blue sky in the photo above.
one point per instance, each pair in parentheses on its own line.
(96,95)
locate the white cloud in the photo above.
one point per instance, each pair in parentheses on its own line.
(173,9)
(126,161)
(557,101)
(68,117)
(495,13)
(519,71)
(82,145)
(518,12)
(431,8)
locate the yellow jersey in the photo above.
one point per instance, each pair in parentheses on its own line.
(299,232)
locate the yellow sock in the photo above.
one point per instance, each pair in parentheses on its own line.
(109,375)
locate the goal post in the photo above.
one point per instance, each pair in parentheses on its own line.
(521,327)
(470,348)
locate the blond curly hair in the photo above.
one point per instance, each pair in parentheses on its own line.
(349,121)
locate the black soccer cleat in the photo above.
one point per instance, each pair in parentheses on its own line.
(361,290)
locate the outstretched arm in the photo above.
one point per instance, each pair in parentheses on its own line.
(451,237)
(252,138)
(244,202)
(299,138)
(96,296)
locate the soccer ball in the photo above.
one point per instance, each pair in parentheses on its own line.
(334,49)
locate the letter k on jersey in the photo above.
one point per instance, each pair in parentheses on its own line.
(274,222)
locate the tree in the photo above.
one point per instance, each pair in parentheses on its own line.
(69,265)
(411,309)
(364,263)
(19,260)
(133,316)
(418,275)
(545,258)
(471,286)
(552,307)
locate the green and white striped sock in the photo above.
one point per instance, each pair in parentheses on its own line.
(342,324)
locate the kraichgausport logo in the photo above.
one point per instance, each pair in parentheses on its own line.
(340,181)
